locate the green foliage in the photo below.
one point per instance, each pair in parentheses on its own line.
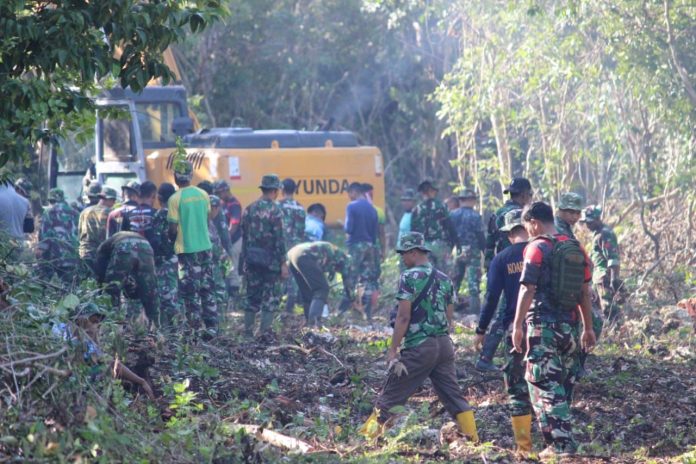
(55,54)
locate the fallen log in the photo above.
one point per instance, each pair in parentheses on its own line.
(274,438)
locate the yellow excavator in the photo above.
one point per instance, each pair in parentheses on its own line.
(140,143)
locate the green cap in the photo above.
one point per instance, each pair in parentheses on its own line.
(94,189)
(214,201)
(56,194)
(108,193)
(270,181)
(411,241)
(591,213)
(409,194)
(133,185)
(88,310)
(571,201)
(467,194)
(512,219)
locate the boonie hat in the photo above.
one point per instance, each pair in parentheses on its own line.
(56,194)
(518,185)
(571,201)
(411,241)
(408,195)
(512,219)
(108,193)
(270,181)
(591,213)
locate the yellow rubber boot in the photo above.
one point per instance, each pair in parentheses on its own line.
(467,425)
(522,428)
(372,429)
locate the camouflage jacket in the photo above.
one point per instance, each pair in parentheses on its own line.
(429,319)
(220,224)
(58,232)
(497,241)
(162,245)
(431,219)
(262,227)
(563,227)
(218,250)
(604,254)
(92,229)
(469,226)
(293,221)
(130,252)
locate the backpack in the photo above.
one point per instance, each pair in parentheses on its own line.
(567,273)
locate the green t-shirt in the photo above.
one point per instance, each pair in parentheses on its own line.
(189,208)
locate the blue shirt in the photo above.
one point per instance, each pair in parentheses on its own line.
(503,275)
(405,224)
(361,222)
(314,228)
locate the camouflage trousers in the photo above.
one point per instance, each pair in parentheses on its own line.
(132,269)
(513,375)
(469,266)
(441,255)
(263,290)
(196,286)
(167,271)
(220,287)
(365,265)
(552,356)
(607,301)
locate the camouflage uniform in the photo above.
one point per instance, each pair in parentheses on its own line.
(294,217)
(92,230)
(166,267)
(262,233)
(196,287)
(568,201)
(57,248)
(431,219)
(469,227)
(126,262)
(219,258)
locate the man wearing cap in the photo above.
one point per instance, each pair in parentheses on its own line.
(188,211)
(424,316)
(309,262)
(131,196)
(294,218)
(569,209)
(166,260)
(408,202)
(219,255)
(469,226)
(126,263)
(263,256)
(92,195)
(606,260)
(232,210)
(504,278)
(520,190)
(57,247)
(91,228)
(431,219)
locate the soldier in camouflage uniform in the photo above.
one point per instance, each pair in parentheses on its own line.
(219,254)
(469,227)
(92,228)
(520,190)
(262,260)
(605,258)
(92,195)
(57,247)
(551,332)
(166,261)
(569,209)
(423,320)
(125,262)
(431,219)
(294,217)
(187,214)
(308,264)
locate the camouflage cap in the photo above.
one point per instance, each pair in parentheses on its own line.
(408,195)
(108,193)
(215,201)
(56,194)
(426,185)
(571,201)
(94,189)
(467,194)
(270,181)
(591,213)
(220,185)
(183,170)
(133,185)
(512,219)
(411,241)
